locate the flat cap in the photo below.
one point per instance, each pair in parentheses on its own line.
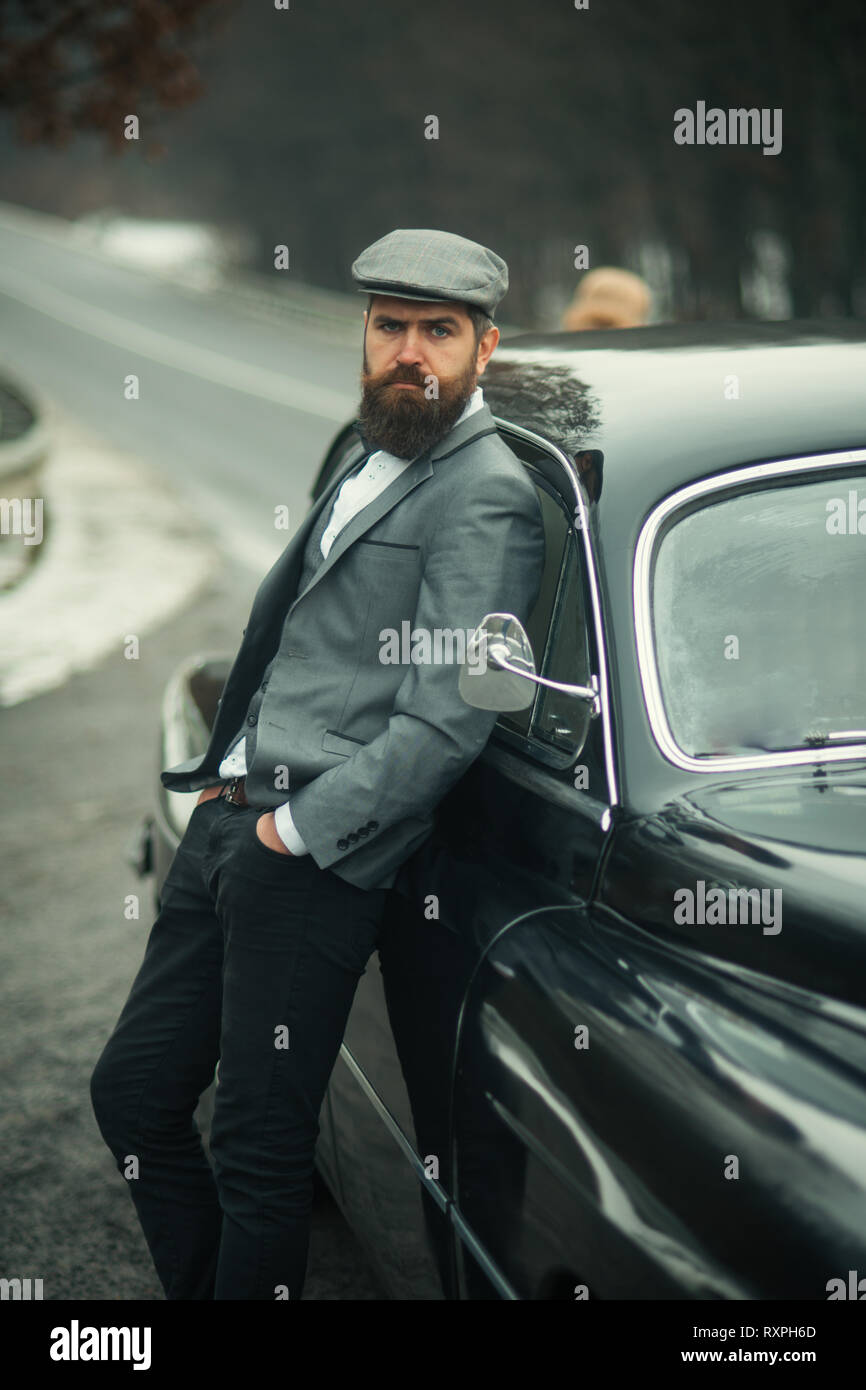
(420,263)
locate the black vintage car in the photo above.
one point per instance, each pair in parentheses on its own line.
(613,1044)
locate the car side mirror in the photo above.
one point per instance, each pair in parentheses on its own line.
(499,671)
(498,660)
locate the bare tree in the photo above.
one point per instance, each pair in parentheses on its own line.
(83,66)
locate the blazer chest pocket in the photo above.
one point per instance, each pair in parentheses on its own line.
(392,545)
(389,576)
(332,742)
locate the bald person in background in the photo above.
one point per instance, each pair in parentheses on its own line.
(608,298)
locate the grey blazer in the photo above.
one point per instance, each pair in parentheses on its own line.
(372,747)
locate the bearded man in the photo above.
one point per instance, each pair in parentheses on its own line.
(324,769)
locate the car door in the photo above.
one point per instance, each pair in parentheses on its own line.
(523,829)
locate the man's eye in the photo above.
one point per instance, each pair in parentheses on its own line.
(396,323)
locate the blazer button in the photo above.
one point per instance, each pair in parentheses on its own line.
(342,844)
(251,719)
(363,831)
(352,837)
(372,825)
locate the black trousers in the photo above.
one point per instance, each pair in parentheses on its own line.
(252,962)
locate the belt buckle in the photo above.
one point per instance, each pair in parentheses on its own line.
(232,787)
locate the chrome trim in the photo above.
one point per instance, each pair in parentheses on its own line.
(580,510)
(647,668)
(589,693)
(476,1249)
(439,1194)
(433,1186)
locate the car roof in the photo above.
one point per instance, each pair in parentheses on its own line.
(672,403)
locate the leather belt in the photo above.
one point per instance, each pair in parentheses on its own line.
(233,791)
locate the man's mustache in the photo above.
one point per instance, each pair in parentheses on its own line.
(407,375)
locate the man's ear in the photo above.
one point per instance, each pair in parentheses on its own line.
(485,349)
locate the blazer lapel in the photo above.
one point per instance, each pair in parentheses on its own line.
(479,423)
(416,472)
(268,611)
(326,498)
(286,568)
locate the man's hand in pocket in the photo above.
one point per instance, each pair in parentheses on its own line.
(267,832)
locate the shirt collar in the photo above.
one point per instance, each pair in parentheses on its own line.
(475,402)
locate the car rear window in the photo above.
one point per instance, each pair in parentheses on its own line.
(758,615)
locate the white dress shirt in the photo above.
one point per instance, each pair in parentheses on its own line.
(378,472)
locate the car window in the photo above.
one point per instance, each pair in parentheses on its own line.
(558,719)
(557,630)
(757,611)
(538,623)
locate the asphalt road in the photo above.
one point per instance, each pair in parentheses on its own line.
(233,408)
(80,761)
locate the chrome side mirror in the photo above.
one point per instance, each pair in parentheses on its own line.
(499,671)
(498,661)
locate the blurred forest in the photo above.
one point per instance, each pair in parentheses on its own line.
(306,126)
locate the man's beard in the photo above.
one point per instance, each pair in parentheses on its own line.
(406,423)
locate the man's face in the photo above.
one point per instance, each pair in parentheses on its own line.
(421,365)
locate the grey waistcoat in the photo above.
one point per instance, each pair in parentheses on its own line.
(313,558)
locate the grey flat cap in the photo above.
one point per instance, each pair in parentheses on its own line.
(419,263)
